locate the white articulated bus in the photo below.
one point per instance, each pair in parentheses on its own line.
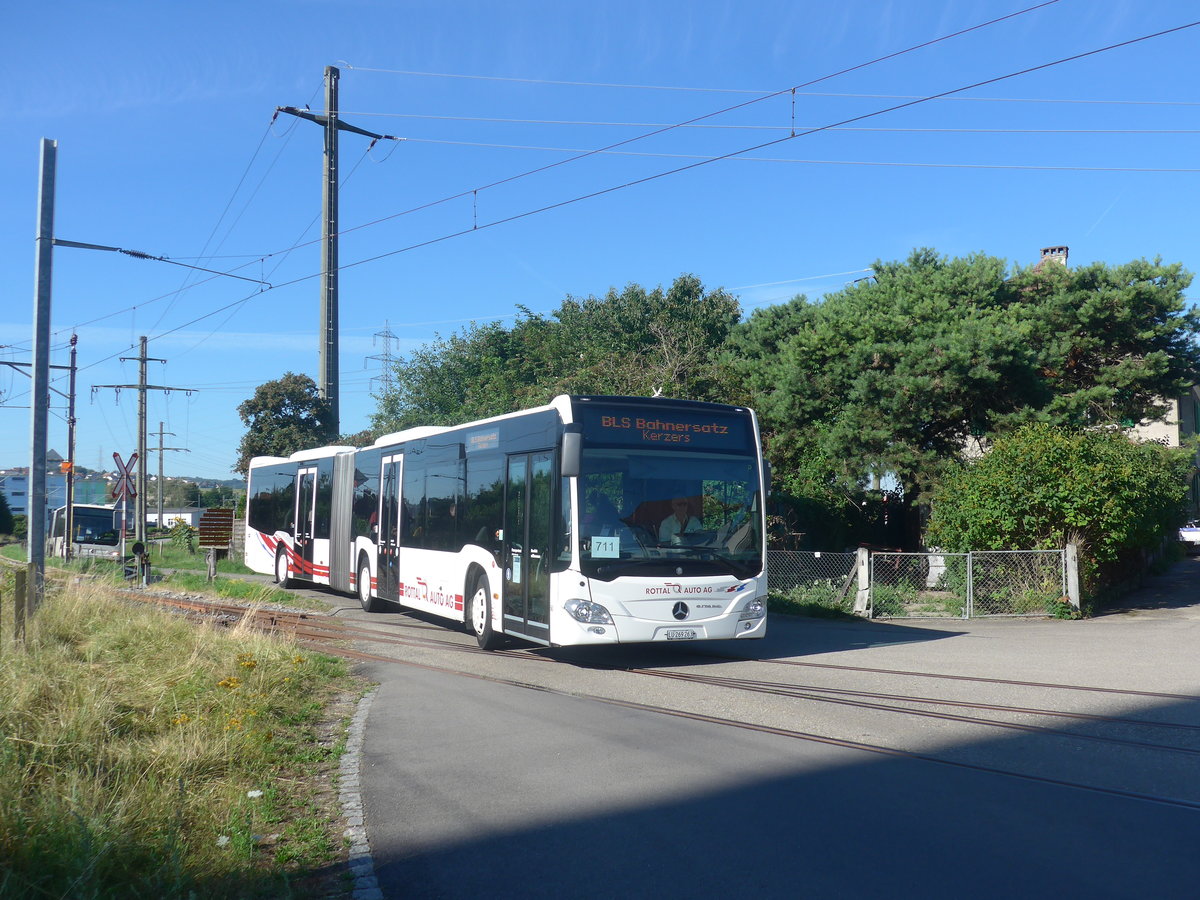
(591,520)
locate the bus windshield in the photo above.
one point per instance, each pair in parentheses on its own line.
(663,512)
(95,526)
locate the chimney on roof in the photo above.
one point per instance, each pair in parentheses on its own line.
(1053,255)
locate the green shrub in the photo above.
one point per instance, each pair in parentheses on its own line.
(822,599)
(1042,488)
(887,600)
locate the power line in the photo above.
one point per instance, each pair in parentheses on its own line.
(843,95)
(746,287)
(763,145)
(229,203)
(585,154)
(898,53)
(643,87)
(473,192)
(498,120)
(832,162)
(259,258)
(702,162)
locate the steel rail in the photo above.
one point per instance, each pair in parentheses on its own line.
(311,629)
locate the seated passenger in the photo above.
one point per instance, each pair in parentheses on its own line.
(679,522)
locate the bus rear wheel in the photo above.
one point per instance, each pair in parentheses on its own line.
(281,569)
(369,603)
(479,615)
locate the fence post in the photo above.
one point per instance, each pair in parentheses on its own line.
(19,606)
(1071,561)
(862,600)
(969,606)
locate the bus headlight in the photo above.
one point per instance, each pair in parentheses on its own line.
(588,612)
(755,609)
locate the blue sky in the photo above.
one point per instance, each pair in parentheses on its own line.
(163,116)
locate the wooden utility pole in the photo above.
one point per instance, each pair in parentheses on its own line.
(327,350)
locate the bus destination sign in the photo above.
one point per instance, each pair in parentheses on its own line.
(669,428)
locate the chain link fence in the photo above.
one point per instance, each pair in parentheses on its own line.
(927,585)
(817,577)
(1017,582)
(914,585)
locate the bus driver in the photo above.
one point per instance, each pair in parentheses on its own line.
(679,522)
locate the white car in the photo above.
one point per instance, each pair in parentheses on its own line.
(1189,535)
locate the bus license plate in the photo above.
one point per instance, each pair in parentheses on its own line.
(680,634)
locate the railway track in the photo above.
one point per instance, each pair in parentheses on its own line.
(339,637)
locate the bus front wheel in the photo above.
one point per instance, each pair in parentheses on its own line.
(281,569)
(479,615)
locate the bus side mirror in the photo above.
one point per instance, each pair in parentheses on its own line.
(572,443)
(766,479)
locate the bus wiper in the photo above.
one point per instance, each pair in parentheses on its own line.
(736,567)
(633,563)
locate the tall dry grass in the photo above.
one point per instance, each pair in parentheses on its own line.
(132,747)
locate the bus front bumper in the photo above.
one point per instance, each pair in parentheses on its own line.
(567,632)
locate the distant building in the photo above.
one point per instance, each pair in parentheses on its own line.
(1052,256)
(1181,422)
(14,484)
(171,517)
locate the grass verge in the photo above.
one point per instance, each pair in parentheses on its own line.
(143,755)
(167,555)
(822,600)
(236,589)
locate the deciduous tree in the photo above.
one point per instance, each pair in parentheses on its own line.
(1043,486)
(283,416)
(634,342)
(901,374)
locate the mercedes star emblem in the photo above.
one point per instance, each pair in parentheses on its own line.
(680,610)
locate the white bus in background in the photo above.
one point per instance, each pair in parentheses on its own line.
(591,520)
(95,529)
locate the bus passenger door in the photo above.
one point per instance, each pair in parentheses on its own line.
(527,552)
(388,557)
(306,500)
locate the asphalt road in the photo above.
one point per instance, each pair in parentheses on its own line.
(990,758)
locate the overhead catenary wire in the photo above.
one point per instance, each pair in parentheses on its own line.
(284,254)
(782,92)
(684,168)
(709,160)
(706,161)
(586,154)
(229,203)
(499,120)
(828,94)
(253,260)
(813,162)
